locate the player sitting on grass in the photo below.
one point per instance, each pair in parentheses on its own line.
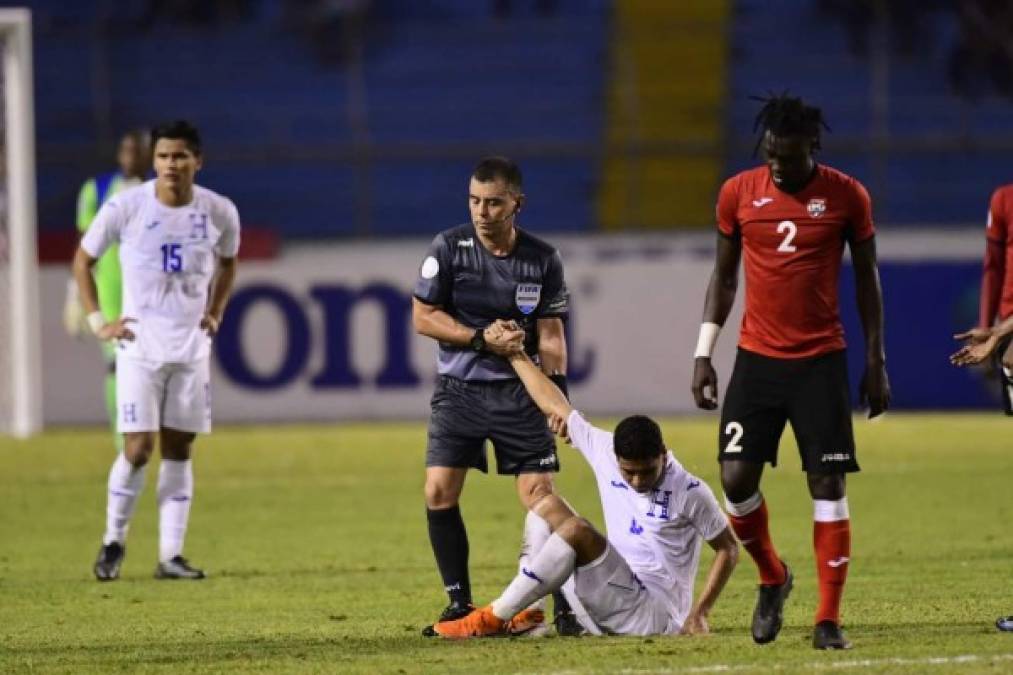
(638,580)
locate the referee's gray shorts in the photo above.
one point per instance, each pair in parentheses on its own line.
(465,414)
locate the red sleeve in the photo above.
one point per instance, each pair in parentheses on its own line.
(728,207)
(994,268)
(861,214)
(997,228)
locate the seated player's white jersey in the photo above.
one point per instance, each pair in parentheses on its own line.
(168,256)
(658,533)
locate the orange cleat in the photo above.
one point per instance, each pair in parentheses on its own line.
(480,623)
(529,622)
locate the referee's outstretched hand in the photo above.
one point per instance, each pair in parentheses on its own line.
(705,384)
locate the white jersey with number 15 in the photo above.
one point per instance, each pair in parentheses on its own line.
(168,256)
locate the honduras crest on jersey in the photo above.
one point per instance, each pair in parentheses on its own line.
(527,297)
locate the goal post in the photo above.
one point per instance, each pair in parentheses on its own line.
(21,371)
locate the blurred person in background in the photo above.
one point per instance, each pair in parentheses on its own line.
(178,246)
(996,305)
(133,156)
(983,56)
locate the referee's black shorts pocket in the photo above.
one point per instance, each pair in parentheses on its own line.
(457,427)
(519,432)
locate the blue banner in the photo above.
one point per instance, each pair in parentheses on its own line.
(925,303)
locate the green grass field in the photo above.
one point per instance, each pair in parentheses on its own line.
(315,542)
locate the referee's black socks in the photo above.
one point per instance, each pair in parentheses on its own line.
(449,540)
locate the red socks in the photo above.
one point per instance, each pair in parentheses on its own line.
(832,543)
(749,521)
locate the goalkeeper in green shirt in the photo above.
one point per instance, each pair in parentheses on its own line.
(134,159)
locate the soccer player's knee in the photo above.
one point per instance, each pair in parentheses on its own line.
(137,448)
(439,495)
(576,530)
(177,445)
(826,486)
(738,482)
(534,490)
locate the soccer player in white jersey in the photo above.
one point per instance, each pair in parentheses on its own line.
(178,245)
(639,579)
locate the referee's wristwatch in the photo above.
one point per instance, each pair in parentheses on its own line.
(477,342)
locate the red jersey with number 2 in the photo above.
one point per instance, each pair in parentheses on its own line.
(792,245)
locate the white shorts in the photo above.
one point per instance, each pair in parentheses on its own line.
(151,395)
(616,601)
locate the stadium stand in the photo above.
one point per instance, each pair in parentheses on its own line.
(432,95)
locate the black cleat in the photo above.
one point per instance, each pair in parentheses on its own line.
(452,612)
(110,558)
(769,612)
(828,635)
(177,568)
(1005,624)
(567,624)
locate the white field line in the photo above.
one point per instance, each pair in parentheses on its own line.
(964,659)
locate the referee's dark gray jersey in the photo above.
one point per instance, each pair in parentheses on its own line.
(463,278)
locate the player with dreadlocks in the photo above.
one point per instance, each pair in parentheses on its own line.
(791,217)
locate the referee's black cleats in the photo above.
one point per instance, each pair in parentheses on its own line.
(567,624)
(452,612)
(769,613)
(177,568)
(828,635)
(110,558)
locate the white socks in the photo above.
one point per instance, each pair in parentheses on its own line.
(543,574)
(827,511)
(536,533)
(125,485)
(175,492)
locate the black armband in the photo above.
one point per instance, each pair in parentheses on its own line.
(560,381)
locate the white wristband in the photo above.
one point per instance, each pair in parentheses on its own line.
(96,322)
(708,338)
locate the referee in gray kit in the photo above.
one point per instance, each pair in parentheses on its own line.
(473,275)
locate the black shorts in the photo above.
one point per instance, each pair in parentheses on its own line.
(811,393)
(465,414)
(1005,377)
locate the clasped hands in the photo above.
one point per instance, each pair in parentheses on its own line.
(504,337)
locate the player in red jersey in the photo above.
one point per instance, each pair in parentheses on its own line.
(791,219)
(996,295)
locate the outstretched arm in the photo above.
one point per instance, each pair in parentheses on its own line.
(875,386)
(433,321)
(720,298)
(982,342)
(543,391)
(727,557)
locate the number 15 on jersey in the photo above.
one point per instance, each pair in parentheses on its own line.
(172,258)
